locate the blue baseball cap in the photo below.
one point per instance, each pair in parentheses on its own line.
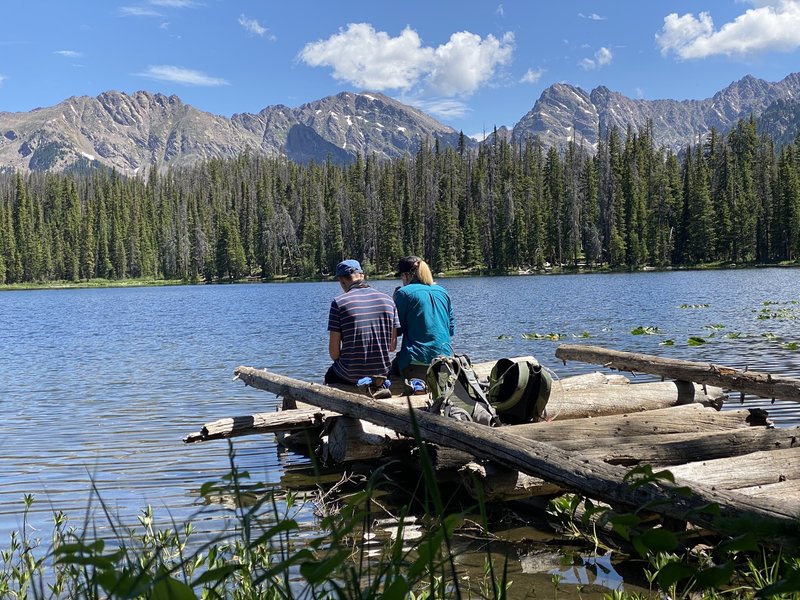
(348,267)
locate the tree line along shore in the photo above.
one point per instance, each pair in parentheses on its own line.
(510,206)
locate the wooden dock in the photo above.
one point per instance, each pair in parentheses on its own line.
(601,425)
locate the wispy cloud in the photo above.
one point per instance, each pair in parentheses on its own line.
(500,10)
(374,60)
(592,17)
(139,11)
(532,76)
(69,53)
(175,3)
(2,78)
(254,27)
(601,58)
(771,26)
(181,75)
(446,108)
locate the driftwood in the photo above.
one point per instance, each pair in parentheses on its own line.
(751,382)
(734,473)
(678,448)
(621,430)
(289,420)
(619,399)
(589,476)
(351,439)
(299,415)
(676,419)
(495,483)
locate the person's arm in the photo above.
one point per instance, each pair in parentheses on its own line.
(452,317)
(335,344)
(393,341)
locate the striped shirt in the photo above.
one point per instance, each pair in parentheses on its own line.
(365,318)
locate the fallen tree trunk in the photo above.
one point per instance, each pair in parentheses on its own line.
(679,448)
(604,400)
(285,420)
(354,439)
(751,382)
(591,477)
(676,419)
(734,473)
(499,484)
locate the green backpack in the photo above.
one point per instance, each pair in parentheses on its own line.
(456,392)
(519,390)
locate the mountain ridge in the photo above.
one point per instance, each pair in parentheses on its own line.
(130,132)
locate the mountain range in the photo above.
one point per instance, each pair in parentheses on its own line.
(131,132)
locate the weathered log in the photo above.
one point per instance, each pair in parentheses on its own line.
(499,484)
(620,399)
(788,490)
(734,473)
(676,419)
(751,382)
(285,420)
(353,439)
(592,477)
(676,448)
(692,418)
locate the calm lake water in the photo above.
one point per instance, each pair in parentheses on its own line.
(102,384)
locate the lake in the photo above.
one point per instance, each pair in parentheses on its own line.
(101,385)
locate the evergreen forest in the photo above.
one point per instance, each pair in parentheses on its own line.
(504,207)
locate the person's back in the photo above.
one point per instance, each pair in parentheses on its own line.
(426,316)
(363,329)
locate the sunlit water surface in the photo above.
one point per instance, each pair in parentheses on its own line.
(99,386)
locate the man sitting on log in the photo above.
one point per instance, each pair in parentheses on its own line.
(363,328)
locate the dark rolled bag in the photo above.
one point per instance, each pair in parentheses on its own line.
(519,389)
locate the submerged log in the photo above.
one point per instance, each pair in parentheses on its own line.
(589,476)
(750,382)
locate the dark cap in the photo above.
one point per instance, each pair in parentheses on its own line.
(348,267)
(408,264)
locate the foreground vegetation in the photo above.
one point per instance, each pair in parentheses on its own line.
(508,205)
(264,556)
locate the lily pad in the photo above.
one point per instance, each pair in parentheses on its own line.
(696,341)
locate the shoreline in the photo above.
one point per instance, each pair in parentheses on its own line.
(107,283)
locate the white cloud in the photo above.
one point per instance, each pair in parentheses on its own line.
(500,10)
(770,26)
(592,17)
(601,58)
(69,53)
(181,75)
(532,76)
(175,3)
(466,62)
(372,59)
(2,78)
(446,108)
(253,26)
(138,11)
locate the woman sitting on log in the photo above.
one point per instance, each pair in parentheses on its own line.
(426,319)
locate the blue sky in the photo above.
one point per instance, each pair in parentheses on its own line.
(472,64)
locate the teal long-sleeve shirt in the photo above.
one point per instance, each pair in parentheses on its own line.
(426,323)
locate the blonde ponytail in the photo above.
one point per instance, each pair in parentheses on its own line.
(424,274)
